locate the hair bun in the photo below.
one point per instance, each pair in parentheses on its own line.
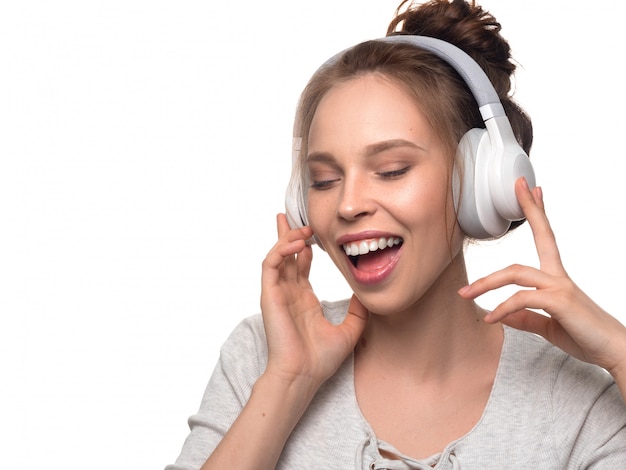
(467,26)
(477,32)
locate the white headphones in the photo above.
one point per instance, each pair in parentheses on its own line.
(492,159)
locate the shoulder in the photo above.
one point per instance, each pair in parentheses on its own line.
(531,355)
(575,403)
(248,338)
(529,358)
(248,334)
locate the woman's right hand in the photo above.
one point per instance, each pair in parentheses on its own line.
(304,350)
(302,343)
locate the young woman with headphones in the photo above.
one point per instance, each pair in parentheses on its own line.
(406,147)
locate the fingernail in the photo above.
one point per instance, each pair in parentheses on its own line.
(524,183)
(463,290)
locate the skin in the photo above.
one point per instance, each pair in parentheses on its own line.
(374,159)
(416,329)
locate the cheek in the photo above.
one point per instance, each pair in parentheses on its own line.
(319,211)
(421,201)
(428,206)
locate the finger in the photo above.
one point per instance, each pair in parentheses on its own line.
(355,320)
(290,242)
(304,259)
(537,193)
(531,202)
(357,308)
(282,225)
(283,229)
(525,320)
(280,260)
(533,322)
(544,326)
(515,274)
(273,267)
(523,299)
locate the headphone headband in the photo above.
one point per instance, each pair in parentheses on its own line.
(472,73)
(474,76)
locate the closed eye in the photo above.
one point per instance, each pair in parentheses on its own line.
(323,184)
(394,173)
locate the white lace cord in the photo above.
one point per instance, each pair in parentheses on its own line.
(395,464)
(391,465)
(456,465)
(388,464)
(382,464)
(360,450)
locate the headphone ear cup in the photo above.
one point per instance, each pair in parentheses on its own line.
(476,212)
(508,162)
(294,204)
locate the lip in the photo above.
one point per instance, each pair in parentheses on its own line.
(364,235)
(370,278)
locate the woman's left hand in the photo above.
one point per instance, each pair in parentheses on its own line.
(575,323)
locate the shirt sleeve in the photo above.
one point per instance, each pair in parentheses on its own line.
(242,360)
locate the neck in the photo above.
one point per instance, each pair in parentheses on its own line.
(440,334)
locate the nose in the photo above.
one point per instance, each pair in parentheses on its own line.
(355,199)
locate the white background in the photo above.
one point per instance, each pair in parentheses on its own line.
(144,151)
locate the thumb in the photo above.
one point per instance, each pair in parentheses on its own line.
(356,319)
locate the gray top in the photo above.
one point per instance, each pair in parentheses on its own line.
(547,410)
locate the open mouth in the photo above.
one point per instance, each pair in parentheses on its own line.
(370,255)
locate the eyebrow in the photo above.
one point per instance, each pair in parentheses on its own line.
(370,150)
(379,147)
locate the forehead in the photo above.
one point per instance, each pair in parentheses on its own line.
(366,109)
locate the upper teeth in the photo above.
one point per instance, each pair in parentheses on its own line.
(365,246)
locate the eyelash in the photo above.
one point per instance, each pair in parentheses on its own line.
(322,185)
(326,184)
(394,173)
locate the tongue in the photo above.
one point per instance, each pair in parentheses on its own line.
(375,260)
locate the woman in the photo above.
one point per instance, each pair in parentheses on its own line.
(411,373)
